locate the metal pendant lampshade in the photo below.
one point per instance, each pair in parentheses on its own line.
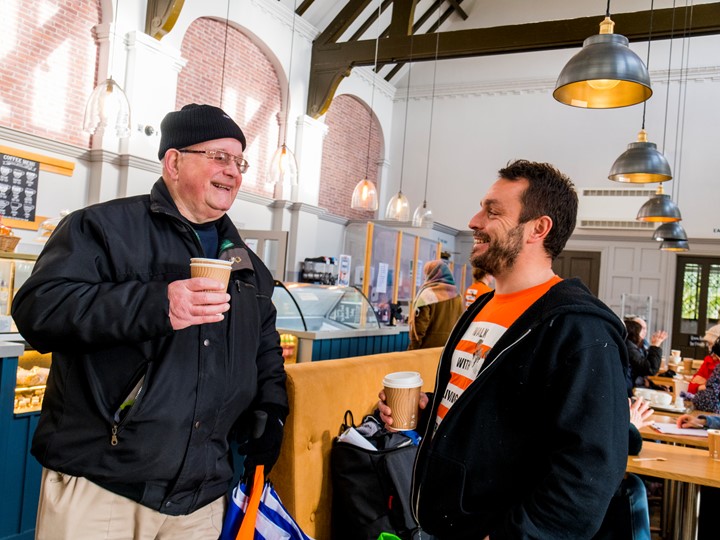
(423,217)
(364,196)
(641,163)
(604,74)
(659,209)
(674,245)
(670,231)
(108,107)
(398,208)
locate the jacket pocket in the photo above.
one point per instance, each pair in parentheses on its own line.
(441,498)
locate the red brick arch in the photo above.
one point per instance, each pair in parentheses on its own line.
(345,154)
(250,87)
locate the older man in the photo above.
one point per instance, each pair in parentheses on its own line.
(528,426)
(153,370)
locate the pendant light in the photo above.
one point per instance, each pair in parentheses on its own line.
(675,245)
(642,162)
(659,209)
(422,216)
(670,231)
(283,170)
(398,207)
(365,196)
(108,105)
(604,74)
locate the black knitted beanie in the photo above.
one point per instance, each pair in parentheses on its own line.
(194,124)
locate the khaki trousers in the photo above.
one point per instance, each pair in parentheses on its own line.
(73,508)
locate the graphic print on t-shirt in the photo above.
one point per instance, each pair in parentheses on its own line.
(480,337)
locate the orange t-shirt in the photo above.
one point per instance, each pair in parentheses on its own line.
(481,335)
(473,291)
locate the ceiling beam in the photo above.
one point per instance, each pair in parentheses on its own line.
(303,7)
(456,5)
(333,61)
(351,11)
(403,15)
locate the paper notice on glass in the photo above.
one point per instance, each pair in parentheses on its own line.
(351,436)
(672,429)
(381,286)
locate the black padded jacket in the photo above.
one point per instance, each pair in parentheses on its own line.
(98,299)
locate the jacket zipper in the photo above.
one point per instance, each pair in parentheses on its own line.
(415,504)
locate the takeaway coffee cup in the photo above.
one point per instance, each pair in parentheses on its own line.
(211,268)
(714,443)
(687,366)
(675,353)
(402,394)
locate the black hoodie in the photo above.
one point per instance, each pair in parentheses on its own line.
(538,444)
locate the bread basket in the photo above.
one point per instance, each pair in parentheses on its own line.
(8,243)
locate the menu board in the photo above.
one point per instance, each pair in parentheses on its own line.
(18,187)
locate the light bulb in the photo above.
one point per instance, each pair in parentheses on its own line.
(283,172)
(603,84)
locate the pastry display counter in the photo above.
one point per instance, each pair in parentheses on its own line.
(19,471)
(332,321)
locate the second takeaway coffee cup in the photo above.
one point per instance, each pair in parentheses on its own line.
(714,443)
(211,268)
(402,395)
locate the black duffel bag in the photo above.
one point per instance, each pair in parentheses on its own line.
(371,488)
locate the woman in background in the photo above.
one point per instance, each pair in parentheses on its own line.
(436,308)
(642,363)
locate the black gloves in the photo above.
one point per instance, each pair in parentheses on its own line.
(263,444)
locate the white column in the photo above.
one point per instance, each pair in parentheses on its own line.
(310,134)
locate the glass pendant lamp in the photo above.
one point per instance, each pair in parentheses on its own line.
(108,108)
(423,217)
(398,208)
(283,169)
(364,196)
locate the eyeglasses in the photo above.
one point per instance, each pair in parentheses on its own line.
(221,158)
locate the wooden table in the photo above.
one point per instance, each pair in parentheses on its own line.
(686,469)
(648,433)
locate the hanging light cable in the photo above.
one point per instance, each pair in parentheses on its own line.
(680,134)
(398,207)
(224,58)
(365,196)
(108,105)
(642,163)
(604,74)
(283,170)
(423,216)
(661,208)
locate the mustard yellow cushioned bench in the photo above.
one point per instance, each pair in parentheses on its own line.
(319,393)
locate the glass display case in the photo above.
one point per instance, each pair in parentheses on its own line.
(311,307)
(322,322)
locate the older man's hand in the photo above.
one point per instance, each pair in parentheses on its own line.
(196,301)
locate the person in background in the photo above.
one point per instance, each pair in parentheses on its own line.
(537,339)
(711,361)
(709,496)
(643,331)
(436,308)
(153,371)
(481,285)
(642,363)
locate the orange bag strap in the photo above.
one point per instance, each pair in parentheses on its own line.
(247,527)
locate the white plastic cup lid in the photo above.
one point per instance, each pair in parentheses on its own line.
(403,379)
(219,262)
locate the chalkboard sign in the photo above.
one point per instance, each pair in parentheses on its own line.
(697,341)
(18,187)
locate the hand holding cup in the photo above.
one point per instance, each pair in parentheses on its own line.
(401,400)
